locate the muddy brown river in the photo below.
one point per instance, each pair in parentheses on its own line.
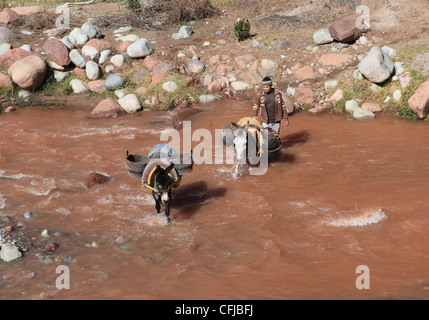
(340,195)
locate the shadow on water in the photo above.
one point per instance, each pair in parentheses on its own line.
(189,198)
(295,138)
(280,156)
(287,142)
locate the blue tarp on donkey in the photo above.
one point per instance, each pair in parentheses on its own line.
(159,156)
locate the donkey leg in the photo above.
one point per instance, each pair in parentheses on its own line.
(157,202)
(167,206)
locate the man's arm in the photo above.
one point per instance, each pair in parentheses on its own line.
(284,111)
(256,105)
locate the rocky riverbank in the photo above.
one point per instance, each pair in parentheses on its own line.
(341,69)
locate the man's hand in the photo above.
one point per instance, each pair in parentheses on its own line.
(286,122)
(255,117)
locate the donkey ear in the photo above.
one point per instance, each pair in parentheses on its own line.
(169,168)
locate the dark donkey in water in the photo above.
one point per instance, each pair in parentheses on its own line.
(163,183)
(161,171)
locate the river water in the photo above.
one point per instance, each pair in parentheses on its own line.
(340,194)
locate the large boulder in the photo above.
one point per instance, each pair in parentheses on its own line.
(9,252)
(114,82)
(304,95)
(5,81)
(91,30)
(77,58)
(376,66)
(6,35)
(78,37)
(11,56)
(322,36)
(28,11)
(57,52)
(139,49)
(29,72)
(96,178)
(130,103)
(184,32)
(345,30)
(419,101)
(290,108)
(107,108)
(100,45)
(8,16)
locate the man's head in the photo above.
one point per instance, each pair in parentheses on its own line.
(267,84)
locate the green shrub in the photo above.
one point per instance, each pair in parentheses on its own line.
(407,113)
(134,5)
(242,29)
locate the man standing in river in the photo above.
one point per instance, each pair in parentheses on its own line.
(271,106)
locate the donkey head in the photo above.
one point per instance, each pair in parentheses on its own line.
(163,182)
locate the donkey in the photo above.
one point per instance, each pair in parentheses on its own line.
(163,183)
(251,144)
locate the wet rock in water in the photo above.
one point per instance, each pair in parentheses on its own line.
(351,106)
(107,108)
(361,114)
(181,115)
(52,246)
(371,106)
(96,178)
(9,252)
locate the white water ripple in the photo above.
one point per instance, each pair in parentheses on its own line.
(363,219)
